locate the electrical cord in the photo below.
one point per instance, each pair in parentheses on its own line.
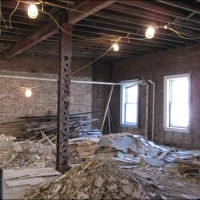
(72,73)
(77,36)
(182,35)
(13,13)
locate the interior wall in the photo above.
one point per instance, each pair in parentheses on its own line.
(154,67)
(14,104)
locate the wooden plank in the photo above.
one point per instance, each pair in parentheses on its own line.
(27,173)
(28,181)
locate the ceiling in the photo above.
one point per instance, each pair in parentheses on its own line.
(98,27)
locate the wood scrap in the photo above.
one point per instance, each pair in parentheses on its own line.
(28,181)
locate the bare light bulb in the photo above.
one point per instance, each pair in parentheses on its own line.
(150,32)
(28,93)
(32,11)
(115,47)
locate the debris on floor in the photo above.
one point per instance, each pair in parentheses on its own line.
(94,179)
(18,182)
(101,164)
(101,178)
(25,153)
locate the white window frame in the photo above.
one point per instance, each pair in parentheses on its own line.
(124,83)
(166,103)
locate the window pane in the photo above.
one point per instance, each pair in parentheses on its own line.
(131,92)
(131,113)
(179,115)
(179,90)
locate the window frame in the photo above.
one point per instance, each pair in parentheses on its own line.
(125,124)
(166,113)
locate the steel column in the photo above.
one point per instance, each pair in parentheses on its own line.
(64,98)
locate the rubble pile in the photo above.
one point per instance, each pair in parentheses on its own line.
(93,179)
(25,153)
(80,149)
(6,148)
(28,153)
(128,150)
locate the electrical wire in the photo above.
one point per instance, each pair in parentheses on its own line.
(181,34)
(95,59)
(13,13)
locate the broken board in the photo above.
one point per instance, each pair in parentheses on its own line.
(27,181)
(29,173)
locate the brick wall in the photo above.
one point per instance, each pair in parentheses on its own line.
(14,104)
(155,66)
(100,93)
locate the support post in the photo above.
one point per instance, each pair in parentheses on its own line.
(62,164)
(147,111)
(107,106)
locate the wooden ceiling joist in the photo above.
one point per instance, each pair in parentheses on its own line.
(86,9)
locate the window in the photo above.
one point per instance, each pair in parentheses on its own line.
(177,103)
(129,103)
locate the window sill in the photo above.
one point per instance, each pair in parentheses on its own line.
(179,130)
(129,125)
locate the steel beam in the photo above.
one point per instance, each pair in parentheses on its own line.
(64,98)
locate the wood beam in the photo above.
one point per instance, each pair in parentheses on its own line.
(87,9)
(31,40)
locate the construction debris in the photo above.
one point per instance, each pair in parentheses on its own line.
(27,153)
(94,179)
(115,166)
(44,128)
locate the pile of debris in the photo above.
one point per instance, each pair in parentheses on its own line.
(128,150)
(14,154)
(94,179)
(82,148)
(25,153)
(6,148)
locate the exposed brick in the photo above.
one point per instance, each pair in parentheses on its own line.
(14,104)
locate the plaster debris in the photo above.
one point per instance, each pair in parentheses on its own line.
(94,179)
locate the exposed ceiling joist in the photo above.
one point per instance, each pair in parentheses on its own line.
(31,40)
(86,9)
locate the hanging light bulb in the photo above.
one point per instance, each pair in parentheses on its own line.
(115,47)
(28,93)
(32,11)
(150,32)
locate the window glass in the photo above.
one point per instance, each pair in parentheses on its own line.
(177,102)
(129,104)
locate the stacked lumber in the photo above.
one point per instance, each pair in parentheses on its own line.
(79,125)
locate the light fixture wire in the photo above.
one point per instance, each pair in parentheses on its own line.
(181,34)
(95,59)
(13,13)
